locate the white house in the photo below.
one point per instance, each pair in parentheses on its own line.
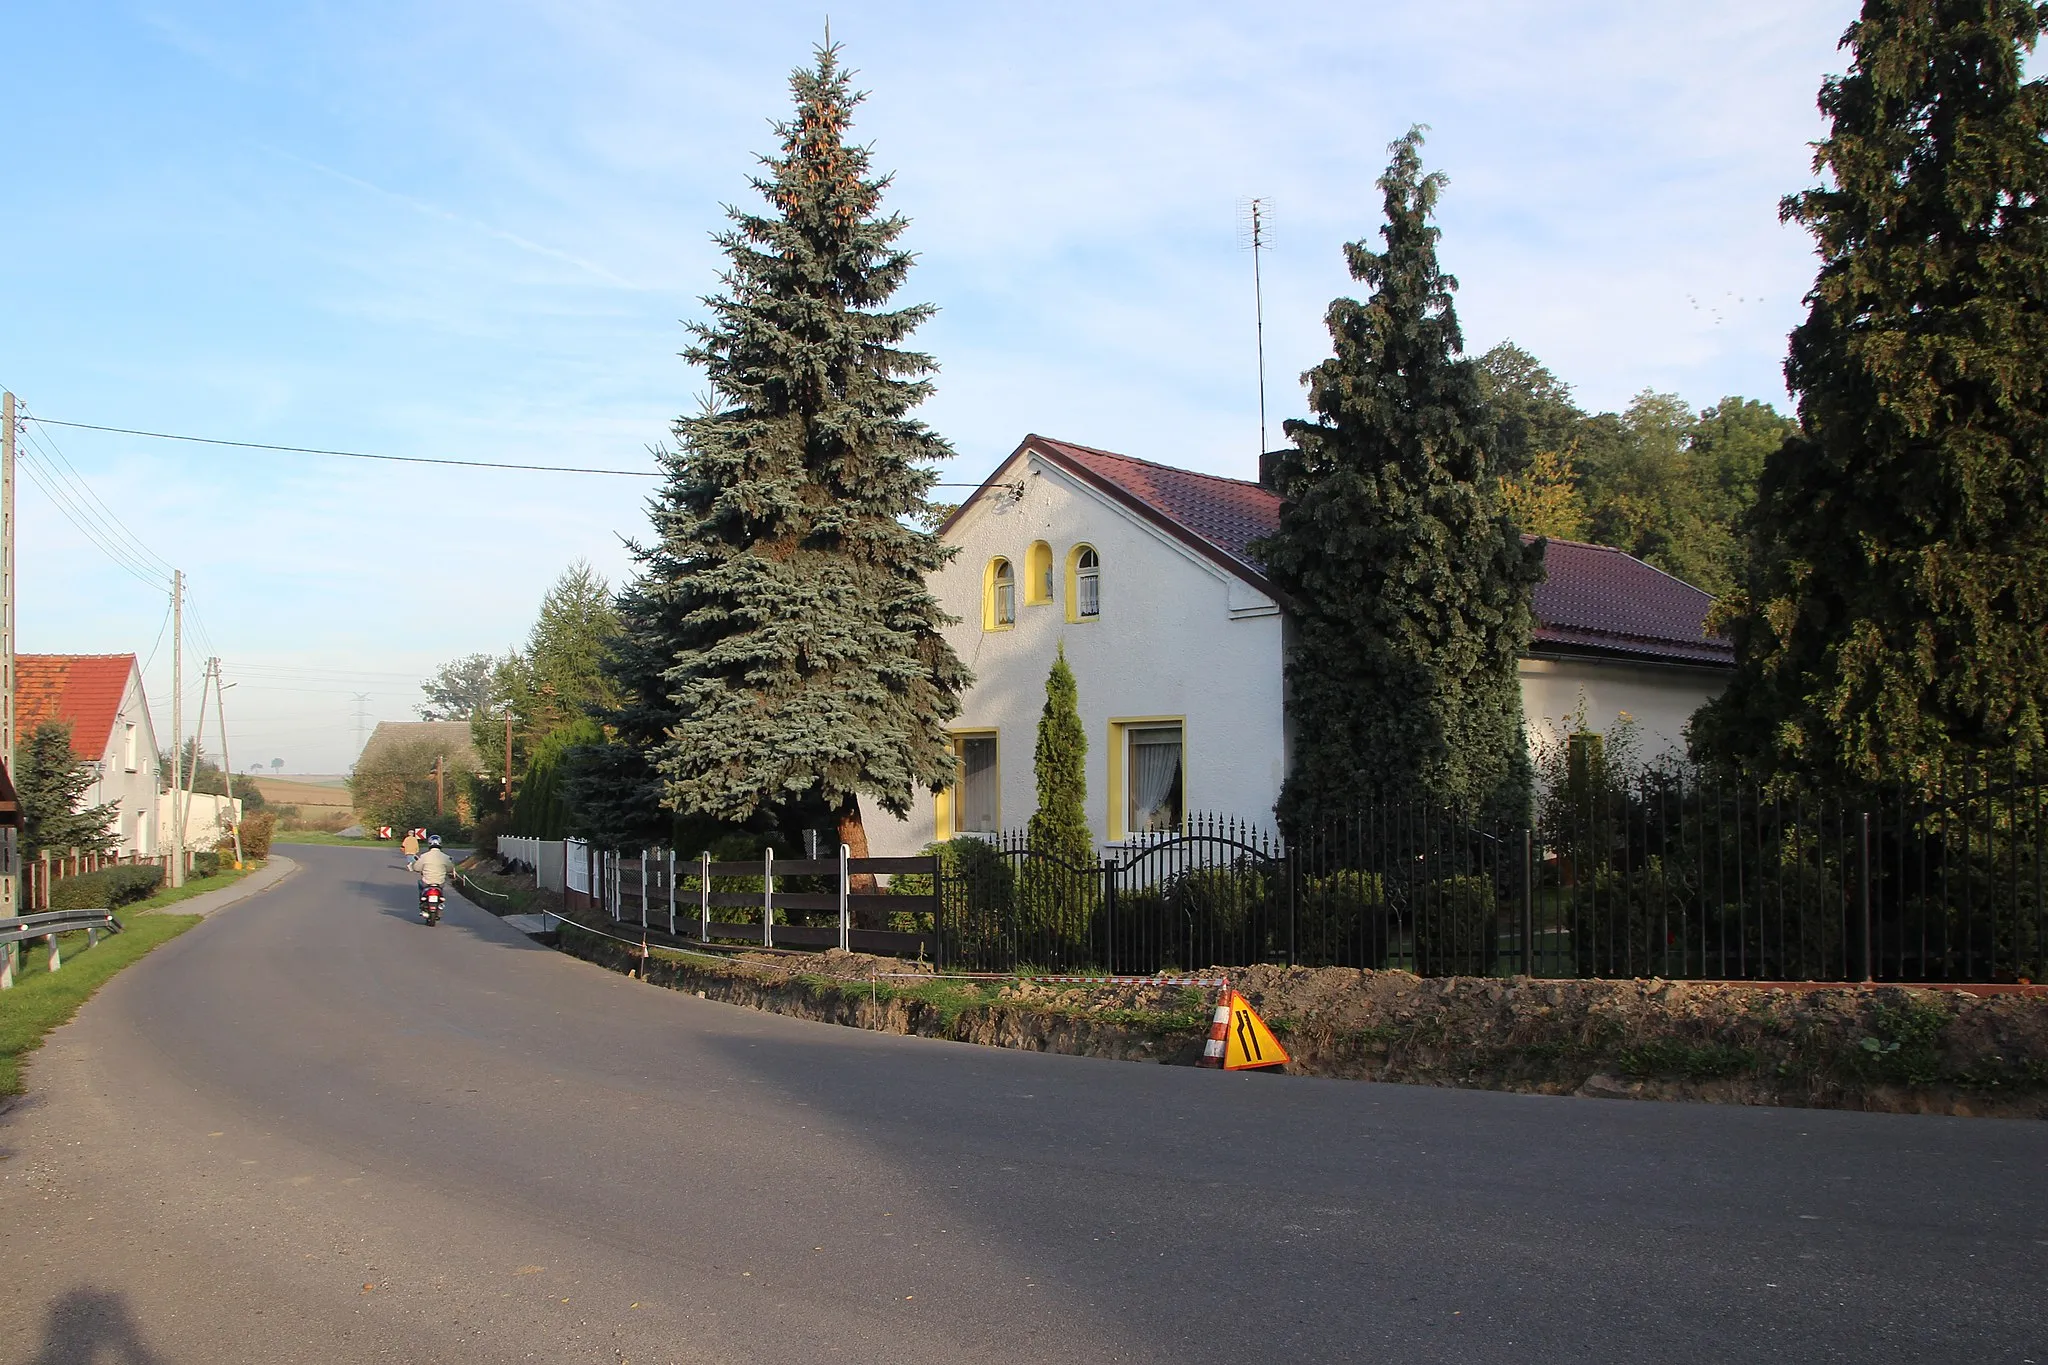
(101,697)
(1146,574)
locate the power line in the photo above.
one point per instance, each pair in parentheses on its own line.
(366,455)
(48,444)
(349,454)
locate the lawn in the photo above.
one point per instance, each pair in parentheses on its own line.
(41,1000)
(171,895)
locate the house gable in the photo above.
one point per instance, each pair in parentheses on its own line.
(1595,602)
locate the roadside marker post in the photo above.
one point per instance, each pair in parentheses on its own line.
(845,921)
(704,899)
(768,897)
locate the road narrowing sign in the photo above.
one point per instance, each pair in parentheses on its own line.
(1247,1042)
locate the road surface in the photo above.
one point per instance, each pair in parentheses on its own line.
(312,1129)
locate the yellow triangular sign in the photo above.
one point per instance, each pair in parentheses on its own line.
(1247,1042)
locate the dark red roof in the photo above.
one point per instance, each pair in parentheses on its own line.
(84,689)
(1594,600)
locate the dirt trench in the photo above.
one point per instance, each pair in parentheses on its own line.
(1883,1049)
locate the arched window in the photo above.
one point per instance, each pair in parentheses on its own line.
(1038,575)
(999,596)
(1084,584)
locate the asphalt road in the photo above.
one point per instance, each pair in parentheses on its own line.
(312,1129)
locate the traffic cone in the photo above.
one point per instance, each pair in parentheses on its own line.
(1219,1033)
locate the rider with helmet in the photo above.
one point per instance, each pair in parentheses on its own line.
(433,866)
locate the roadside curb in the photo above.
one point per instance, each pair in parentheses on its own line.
(275,869)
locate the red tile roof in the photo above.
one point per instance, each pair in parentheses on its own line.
(1594,599)
(85,689)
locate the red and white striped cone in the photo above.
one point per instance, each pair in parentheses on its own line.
(1219,1032)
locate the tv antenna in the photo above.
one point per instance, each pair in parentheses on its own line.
(1255,234)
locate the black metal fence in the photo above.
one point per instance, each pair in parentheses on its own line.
(1671,875)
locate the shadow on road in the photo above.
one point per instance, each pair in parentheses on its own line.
(92,1327)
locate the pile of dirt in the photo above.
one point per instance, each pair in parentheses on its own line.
(1883,1048)
(1886,1049)
(835,964)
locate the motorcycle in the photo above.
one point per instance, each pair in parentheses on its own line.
(430,904)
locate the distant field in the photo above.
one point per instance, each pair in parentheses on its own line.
(310,795)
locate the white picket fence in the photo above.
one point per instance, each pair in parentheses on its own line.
(550,860)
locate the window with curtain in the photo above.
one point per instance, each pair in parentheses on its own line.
(974,798)
(1153,779)
(1087,583)
(1002,594)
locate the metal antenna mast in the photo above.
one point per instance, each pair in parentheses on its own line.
(1257,213)
(362,719)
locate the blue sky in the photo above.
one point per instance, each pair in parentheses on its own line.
(473,230)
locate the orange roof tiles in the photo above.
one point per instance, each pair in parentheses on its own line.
(84,689)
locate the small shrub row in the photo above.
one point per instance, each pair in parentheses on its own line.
(110,888)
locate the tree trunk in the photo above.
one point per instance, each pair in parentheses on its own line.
(854,835)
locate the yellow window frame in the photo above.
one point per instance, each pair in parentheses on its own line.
(1074,616)
(945,807)
(1116,824)
(988,595)
(1038,575)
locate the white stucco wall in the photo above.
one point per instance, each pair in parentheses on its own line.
(208,817)
(1177,636)
(1660,699)
(132,785)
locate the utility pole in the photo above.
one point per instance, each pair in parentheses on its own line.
(362,719)
(440,801)
(227,765)
(178,727)
(10,835)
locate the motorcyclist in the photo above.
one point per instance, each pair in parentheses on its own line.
(433,866)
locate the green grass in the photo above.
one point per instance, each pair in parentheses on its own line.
(321,836)
(507,898)
(41,1000)
(198,886)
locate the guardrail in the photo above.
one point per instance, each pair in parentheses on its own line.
(47,926)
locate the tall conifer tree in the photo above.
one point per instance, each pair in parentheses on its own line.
(783,606)
(1896,603)
(1059,826)
(1410,586)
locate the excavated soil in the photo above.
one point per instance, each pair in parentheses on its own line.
(1887,1049)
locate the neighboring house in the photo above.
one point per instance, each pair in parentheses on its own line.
(397,737)
(1177,640)
(101,696)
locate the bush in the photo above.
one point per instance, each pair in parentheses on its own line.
(1341,920)
(1224,913)
(205,864)
(256,833)
(1142,934)
(1457,930)
(110,888)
